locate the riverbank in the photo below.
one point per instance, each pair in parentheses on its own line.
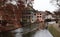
(54,31)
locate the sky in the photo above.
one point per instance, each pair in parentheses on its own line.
(42,5)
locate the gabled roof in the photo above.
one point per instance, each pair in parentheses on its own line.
(48,12)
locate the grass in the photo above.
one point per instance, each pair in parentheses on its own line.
(53,31)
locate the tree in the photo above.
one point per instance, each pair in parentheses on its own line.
(56,2)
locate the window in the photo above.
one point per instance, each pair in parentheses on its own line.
(29,16)
(40,14)
(32,20)
(34,14)
(37,16)
(41,21)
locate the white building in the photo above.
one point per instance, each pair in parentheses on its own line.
(50,16)
(33,18)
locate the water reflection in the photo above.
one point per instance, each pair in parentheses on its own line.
(14,33)
(6,34)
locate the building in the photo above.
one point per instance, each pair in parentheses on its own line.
(28,15)
(50,17)
(40,18)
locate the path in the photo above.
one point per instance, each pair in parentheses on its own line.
(43,33)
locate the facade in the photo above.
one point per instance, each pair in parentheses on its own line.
(51,17)
(40,16)
(28,16)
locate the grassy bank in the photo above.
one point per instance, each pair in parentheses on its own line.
(53,31)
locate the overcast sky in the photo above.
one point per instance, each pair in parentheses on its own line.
(43,5)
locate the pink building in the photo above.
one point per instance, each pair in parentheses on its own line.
(40,16)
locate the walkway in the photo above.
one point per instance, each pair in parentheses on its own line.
(43,33)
